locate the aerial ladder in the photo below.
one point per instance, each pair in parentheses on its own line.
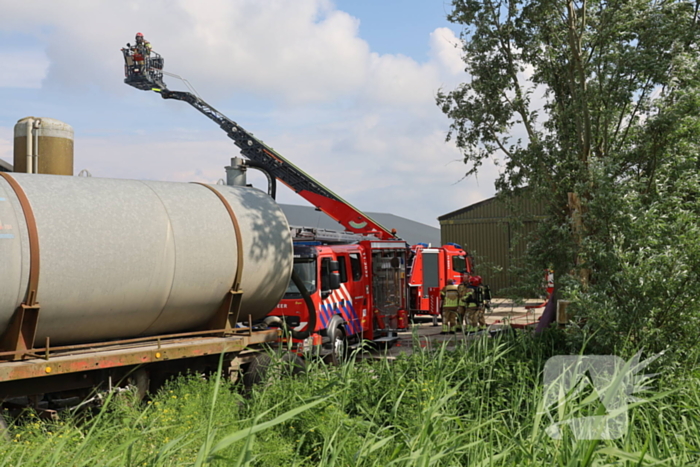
(147,75)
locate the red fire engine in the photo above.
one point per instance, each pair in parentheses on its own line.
(431,268)
(357,285)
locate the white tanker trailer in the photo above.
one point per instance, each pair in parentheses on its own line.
(101,279)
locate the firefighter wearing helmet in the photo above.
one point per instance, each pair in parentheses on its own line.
(474,302)
(450,303)
(142,45)
(463,290)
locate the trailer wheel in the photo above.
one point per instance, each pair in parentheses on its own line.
(294,364)
(141,381)
(338,347)
(256,371)
(263,369)
(4,429)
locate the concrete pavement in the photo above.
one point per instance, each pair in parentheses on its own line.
(504,312)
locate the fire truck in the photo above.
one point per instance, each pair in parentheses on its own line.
(431,268)
(354,282)
(357,285)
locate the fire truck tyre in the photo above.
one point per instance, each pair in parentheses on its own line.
(338,347)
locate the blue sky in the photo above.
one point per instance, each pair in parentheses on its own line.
(344,89)
(399,26)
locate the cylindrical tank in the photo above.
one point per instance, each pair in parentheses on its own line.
(55,145)
(126,258)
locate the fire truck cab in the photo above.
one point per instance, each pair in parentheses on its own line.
(357,290)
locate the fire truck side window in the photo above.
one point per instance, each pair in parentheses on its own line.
(356,266)
(306,270)
(459,264)
(325,273)
(343,270)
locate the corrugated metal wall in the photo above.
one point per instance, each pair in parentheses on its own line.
(487,230)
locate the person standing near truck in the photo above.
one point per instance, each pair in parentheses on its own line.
(450,303)
(475,303)
(464,291)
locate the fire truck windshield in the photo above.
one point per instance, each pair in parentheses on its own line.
(459,263)
(306,270)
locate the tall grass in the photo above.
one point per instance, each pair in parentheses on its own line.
(475,404)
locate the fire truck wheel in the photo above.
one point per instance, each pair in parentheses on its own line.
(338,347)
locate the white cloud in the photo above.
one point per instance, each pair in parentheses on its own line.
(446,49)
(395,79)
(300,51)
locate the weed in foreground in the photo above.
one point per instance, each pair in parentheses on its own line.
(473,405)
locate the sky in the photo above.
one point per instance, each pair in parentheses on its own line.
(344,89)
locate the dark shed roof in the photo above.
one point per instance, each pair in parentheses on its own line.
(411,231)
(5,166)
(465,210)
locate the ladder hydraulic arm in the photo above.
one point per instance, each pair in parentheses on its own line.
(286,172)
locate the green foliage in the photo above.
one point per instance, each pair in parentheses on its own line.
(596,100)
(648,241)
(474,405)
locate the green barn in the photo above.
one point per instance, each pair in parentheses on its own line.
(488,230)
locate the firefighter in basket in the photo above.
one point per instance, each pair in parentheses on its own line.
(136,55)
(142,48)
(450,303)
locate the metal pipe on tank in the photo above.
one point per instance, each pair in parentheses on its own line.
(36,126)
(236,172)
(30,152)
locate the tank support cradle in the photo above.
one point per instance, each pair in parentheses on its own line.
(227,315)
(20,335)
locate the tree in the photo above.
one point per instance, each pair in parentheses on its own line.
(593,105)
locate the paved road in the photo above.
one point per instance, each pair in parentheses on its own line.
(503,311)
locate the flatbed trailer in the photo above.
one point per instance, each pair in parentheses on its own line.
(143,362)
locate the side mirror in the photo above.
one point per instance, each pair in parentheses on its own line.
(334,280)
(335,266)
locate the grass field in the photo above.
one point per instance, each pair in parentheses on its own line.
(476,405)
